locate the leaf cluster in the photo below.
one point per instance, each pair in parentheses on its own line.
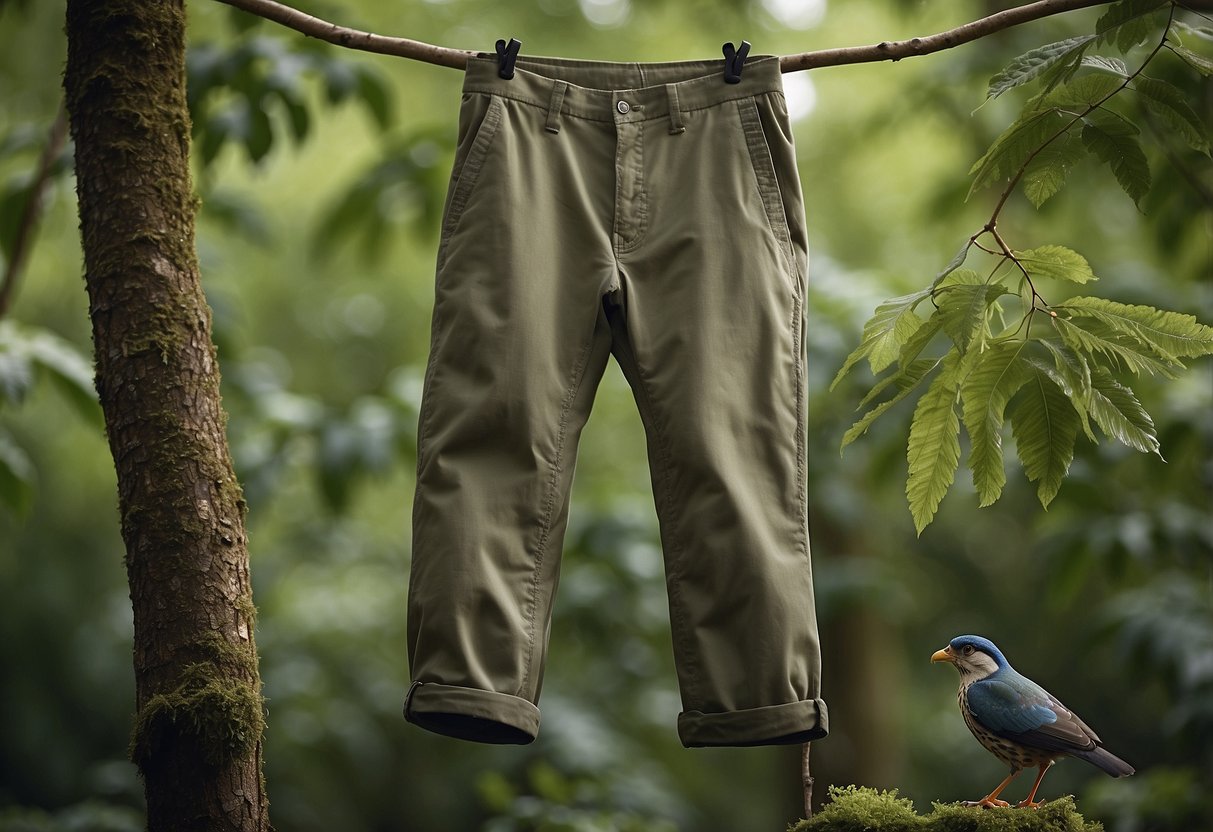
(1052,371)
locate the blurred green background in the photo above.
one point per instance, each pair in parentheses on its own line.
(322,173)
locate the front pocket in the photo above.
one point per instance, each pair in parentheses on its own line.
(467,169)
(768,184)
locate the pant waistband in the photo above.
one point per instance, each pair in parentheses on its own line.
(594,89)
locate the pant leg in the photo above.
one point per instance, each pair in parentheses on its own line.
(709,330)
(519,345)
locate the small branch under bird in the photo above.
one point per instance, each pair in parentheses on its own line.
(1017,720)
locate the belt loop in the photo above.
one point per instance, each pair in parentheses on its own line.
(676,125)
(554,104)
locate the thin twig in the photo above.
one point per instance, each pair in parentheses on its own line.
(315,27)
(807,779)
(28,224)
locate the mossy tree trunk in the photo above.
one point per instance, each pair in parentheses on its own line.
(199,715)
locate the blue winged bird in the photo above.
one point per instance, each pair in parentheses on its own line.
(1017,720)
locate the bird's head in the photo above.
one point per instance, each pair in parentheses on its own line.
(973,656)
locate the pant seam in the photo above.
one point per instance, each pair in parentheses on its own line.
(549,508)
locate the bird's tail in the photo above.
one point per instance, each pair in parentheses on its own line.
(1104,759)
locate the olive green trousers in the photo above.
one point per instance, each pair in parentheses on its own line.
(653,212)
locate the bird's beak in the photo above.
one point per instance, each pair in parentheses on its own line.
(944,655)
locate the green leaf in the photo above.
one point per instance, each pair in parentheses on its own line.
(1047,172)
(1098,339)
(955,263)
(1127,23)
(922,336)
(1079,94)
(1112,66)
(1056,263)
(1072,374)
(375,96)
(1170,104)
(1202,32)
(1200,63)
(884,333)
(16,475)
(933,451)
(963,302)
(996,375)
(25,349)
(1011,149)
(1120,415)
(1031,64)
(1170,334)
(1045,426)
(1114,141)
(906,380)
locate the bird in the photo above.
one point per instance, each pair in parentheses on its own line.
(1017,720)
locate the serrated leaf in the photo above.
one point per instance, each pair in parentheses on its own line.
(1045,426)
(962,305)
(883,335)
(1170,104)
(1047,172)
(955,263)
(1199,62)
(906,380)
(933,450)
(1072,374)
(1097,339)
(1056,263)
(1170,334)
(1120,415)
(1115,143)
(995,377)
(919,340)
(1113,66)
(1080,93)
(1127,23)
(1029,65)
(1012,149)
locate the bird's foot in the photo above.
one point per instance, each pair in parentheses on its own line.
(987,803)
(1028,804)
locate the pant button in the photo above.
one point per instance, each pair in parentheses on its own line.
(623,107)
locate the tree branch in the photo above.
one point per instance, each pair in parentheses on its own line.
(28,224)
(416,50)
(896,50)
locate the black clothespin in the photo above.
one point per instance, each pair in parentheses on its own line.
(734,60)
(507,53)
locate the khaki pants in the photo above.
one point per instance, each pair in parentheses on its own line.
(653,212)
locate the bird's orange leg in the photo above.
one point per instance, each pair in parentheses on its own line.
(1041,776)
(991,799)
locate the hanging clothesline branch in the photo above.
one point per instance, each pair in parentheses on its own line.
(428,53)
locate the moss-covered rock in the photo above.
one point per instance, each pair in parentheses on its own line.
(857,809)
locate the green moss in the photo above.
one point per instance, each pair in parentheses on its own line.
(856,809)
(220,715)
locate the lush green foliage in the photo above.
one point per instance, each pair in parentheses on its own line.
(1062,375)
(318,263)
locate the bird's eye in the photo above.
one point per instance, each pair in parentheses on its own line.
(967,650)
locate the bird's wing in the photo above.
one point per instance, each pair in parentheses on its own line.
(1017,708)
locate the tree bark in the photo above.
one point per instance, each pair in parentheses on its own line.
(199,711)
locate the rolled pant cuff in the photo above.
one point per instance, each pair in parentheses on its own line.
(795,722)
(471,714)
